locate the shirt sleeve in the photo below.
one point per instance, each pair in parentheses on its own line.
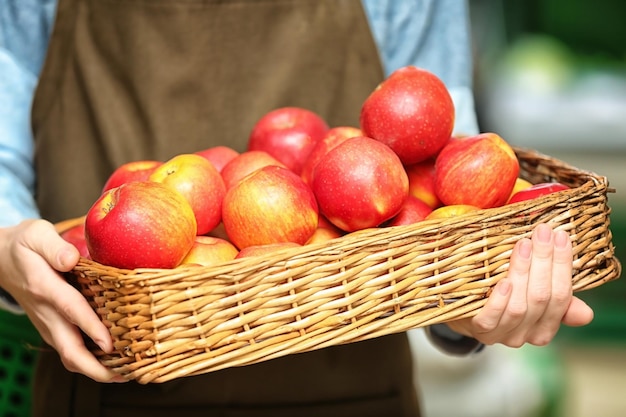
(17,178)
(24,32)
(430,34)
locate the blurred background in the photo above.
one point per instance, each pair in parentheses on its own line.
(550,75)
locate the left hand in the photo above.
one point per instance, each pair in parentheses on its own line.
(531,303)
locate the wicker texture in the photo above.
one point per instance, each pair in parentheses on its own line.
(168,324)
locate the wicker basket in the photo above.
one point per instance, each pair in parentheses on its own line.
(168,324)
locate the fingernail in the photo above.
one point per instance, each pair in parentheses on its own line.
(101,345)
(544,233)
(560,239)
(504,287)
(525,248)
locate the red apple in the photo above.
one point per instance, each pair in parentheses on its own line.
(413,210)
(245,163)
(271,205)
(446,212)
(199,182)
(141,224)
(288,134)
(76,236)
(259,250)
(130,171)
(412,112)
(218,155)
(479,170)
(361,183)
(333,137)
(537,190)
(208,251)
(422,182)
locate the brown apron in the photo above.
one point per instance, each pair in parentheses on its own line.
(148,79)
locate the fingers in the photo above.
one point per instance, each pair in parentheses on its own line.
(507,305)
(558,293)
(536,297)
(75,309)
(68,342)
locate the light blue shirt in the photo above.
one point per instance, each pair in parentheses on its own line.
(432,34)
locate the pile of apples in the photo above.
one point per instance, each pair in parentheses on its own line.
(301,181)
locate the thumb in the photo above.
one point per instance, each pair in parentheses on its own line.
(578,313)
(42,238)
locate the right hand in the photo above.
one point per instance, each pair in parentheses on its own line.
(32,256)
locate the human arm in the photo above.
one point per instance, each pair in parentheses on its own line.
(32,254)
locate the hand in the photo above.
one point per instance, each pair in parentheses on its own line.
(32,253)
(529,305)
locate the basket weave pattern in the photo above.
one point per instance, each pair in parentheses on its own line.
(168,324)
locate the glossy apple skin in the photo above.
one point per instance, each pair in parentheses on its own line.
(520,184)
(130,171)
(412,112)
(332,139)
(479,170)
(324,234)
(199,182)
(76,236)
(246,163)
(141,224)
(259,250)
(210,251)
(446,212)
(537,190)
(271,205)
(360,184)
(218,155)
(288,134)
(413,210)
(422,182)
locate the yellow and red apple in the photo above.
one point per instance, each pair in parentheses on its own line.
(478,170)
(140,224)
(361,183)
(422,182)
(218,155)
(324,234)
(199,182)
(245,163)
(413,210)
(210,251)
(537,190)
(269,248)
(412,112)
(288,134)
(130,171)
(270,205)
(333,137)
(454,210)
